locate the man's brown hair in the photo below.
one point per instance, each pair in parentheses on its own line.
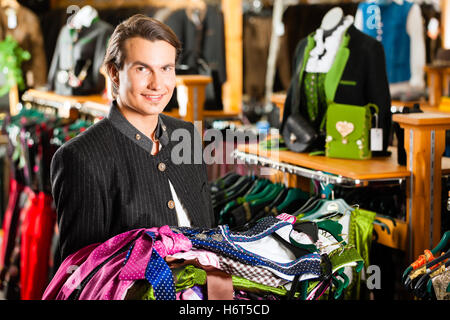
(136,26)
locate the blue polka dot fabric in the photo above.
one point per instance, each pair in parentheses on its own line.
(159,275)
(223,241)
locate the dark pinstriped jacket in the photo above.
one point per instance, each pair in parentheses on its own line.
(105,181)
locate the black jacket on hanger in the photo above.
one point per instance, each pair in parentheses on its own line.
(205,41)
(87,49)
(363,80)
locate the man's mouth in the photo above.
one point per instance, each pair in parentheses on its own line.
(153,97)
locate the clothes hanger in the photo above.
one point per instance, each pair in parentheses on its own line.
(443,244)
(332,227)
(232,202)
(308,204)
(256,207)
(326,207)
(298,252)
(260,194)
(279,199)
(225,181)
(430,290)
(424,285)
(311,230)
(276,189)
(413,279)
(225,193)
(382,225)
(259,185)
(231,197)
(339,285)
(294,195)
(258,211)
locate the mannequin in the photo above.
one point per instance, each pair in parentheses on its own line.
(328,38)
(337,63)
(200,28)
(24,26)
(78,56)
(331,20)
(408,26)
(84,17)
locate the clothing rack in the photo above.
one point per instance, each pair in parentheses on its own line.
(64,107)
(96,106)
(424,144)
(308,173)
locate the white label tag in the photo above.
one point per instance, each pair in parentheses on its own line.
(376,139)
(12,19)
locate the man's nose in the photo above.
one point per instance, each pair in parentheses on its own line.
(155,81)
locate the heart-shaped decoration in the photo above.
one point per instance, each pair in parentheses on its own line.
(344,128)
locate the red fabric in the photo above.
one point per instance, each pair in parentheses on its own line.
(36,238)
(10,222)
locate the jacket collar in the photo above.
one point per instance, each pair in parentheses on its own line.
(123,125)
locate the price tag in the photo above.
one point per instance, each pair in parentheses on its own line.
(12,18)
(376,139)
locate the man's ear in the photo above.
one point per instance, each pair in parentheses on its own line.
(113,73)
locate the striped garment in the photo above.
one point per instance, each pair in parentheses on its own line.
(105,181)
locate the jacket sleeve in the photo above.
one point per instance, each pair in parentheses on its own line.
(51,77)
(292,101)
(79,199)
(378,88)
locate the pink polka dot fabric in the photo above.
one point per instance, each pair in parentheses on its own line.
(119,269)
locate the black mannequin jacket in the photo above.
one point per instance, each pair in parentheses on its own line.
(363,79)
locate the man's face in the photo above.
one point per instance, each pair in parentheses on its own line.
(147,79)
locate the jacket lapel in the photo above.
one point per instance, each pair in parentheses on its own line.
(337,69)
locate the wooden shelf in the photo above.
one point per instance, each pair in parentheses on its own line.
(51,96)
(373,169)
(435,119)
(99,106)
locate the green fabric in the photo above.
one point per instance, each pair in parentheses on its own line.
(240,283)
(348,128)
(273,144)
(140,290)
(11,58)
(337,69)
(314,90)
(188,276)
(332,78)
(360,236)
(342,256)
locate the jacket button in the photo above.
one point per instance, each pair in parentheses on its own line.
(162,166)
(171,204)
(138,136)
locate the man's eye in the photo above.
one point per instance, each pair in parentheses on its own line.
(141,69)
(168,68)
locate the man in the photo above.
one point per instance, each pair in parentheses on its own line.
(119,174)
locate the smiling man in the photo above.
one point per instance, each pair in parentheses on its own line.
(118,175)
